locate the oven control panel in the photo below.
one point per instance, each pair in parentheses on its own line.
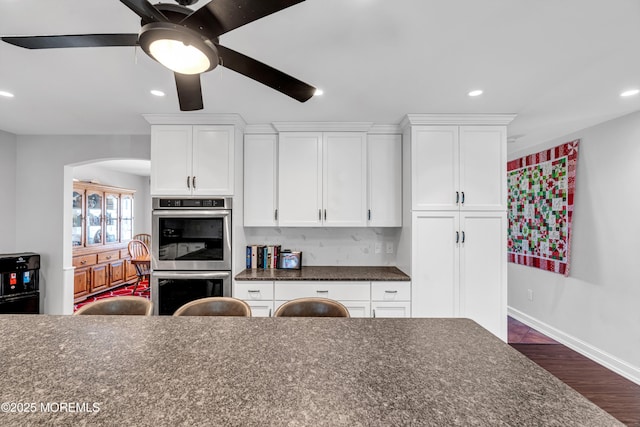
(219,203)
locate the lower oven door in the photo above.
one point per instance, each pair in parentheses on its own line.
(172,289)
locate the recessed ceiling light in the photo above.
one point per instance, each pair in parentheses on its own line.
(318,92)
(157,92)
(630,92)
(476,92)
(6,94)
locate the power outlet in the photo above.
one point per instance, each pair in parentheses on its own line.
(389,247)
(378,247)
(530,294)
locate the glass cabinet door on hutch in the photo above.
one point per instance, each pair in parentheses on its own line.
(94,218)
(111,218)
(77,211)
(126,217)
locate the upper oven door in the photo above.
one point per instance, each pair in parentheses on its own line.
(191,240)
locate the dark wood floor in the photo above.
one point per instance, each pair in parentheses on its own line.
(610,391)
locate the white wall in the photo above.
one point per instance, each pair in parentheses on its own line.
(44,172)
(142,199)
(596,309)
(7,192)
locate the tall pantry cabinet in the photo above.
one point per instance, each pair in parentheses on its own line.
(456,244)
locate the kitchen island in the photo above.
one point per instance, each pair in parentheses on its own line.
(217,371)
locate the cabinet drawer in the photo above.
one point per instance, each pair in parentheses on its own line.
(391,291)
(343,291)
(85,260)
(108,256)
(253,290)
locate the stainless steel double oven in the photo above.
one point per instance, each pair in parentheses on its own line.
(190,251)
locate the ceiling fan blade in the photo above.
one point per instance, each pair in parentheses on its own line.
(145,10)
(189,91)
(265,74)
(220,16)
(78,40)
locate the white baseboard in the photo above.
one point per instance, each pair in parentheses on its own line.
(632,373)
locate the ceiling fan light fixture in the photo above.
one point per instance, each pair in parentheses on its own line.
(178,48)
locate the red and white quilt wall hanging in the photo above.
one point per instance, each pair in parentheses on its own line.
(541,190)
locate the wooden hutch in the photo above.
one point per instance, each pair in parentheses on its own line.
(102,227)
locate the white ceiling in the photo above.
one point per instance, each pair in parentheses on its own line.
(560,65)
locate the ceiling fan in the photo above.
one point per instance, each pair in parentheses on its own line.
(187,43)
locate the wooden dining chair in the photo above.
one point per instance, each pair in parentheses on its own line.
(312,307)
(138,248)
(144,237)
(215,306)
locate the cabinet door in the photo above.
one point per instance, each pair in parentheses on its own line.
(358,308)
(81,282)
(78,218)
(483,167)
(390,309)
(116,272)
(344,179)
(129,270)
(483,270)
(434,167)
(384,180)
(99,277)
(260,162)
(94,214)
(435,264)
(171,160)
(111,218)
(126,217)
(261,308)
(213,157)
(300,179)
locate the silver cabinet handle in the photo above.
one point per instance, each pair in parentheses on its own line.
(193,182)
(188,182)
(322,292)
(253,291)
(463,238)
(462,200)
(275,215)
(369,215)
(457,197)
(457,237)
(374,312)
(269,312)
(319,214)
(325,214)
(390,292)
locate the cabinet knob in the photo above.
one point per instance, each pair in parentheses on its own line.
(84,261)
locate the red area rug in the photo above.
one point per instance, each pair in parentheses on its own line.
(142,291)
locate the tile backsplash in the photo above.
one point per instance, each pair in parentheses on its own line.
(332,246)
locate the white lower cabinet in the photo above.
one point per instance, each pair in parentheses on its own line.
(258,294)
(391,299)
(459,267)
(362,299)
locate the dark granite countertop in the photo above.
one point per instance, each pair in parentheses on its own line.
(225,371)
(326,273)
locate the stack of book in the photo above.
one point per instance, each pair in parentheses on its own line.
(263,256)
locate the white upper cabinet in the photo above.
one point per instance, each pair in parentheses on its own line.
(300,179)
(458,167)
(192,160)
(260,180)
(344,179)
(384,171)
(322,179)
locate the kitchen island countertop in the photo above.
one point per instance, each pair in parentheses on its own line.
(231,371)
(337,273)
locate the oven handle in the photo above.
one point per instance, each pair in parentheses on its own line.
(192,213)
(192,274)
